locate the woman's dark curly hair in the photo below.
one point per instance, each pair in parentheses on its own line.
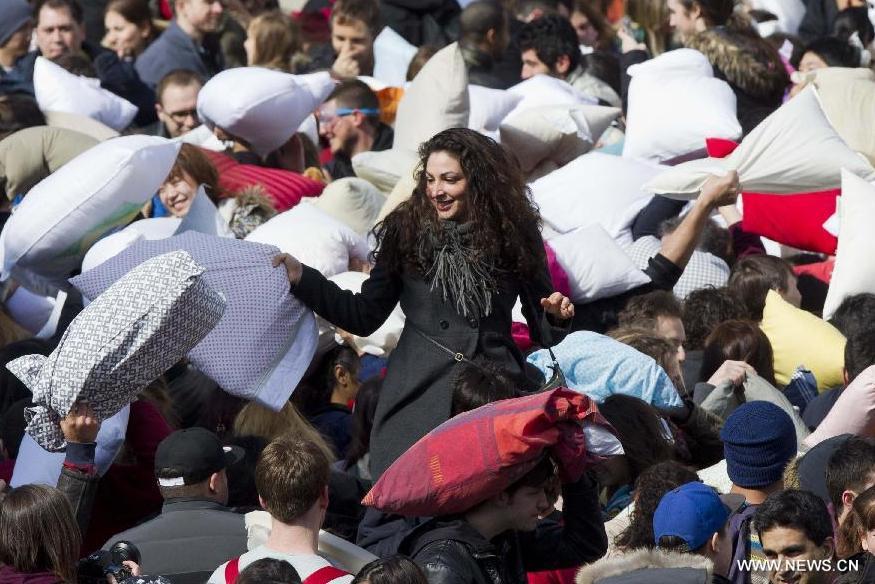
(650,487)
(498,204)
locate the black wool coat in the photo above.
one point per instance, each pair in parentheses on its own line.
(417,395)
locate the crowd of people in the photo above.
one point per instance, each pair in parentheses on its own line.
(504,382)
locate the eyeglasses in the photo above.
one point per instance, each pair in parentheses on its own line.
(326,118)
(180,117)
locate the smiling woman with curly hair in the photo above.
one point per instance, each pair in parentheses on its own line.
(456,255)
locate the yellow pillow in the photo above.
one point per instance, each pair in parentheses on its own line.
(801,338)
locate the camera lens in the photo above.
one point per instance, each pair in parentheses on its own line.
(123,551)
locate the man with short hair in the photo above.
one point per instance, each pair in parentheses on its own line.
(176,103)
(850,471)
(795,531)
(484,29)
(354,26)
(16,24)
(549,46)
(291,478)
(195,531)
(350,121)
(190,42)
(59,28)
(658,311)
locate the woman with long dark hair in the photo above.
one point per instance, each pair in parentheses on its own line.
(456,255)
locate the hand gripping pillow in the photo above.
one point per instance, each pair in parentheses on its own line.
(853,413)
(313,237)
(436,100)
(392,56)
(352,201)
(794,150)
(442,474)
(266,339)
(599,367)
(381,342)
(489,107)
(56,89)
(854,268)
(30,155)
(595,188)
(674,104)
(128,336)
(104,187)
(554,134)
(596,266)
(800,338)
(261,106)
(284,188)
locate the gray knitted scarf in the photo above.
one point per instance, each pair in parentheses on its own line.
(457,269)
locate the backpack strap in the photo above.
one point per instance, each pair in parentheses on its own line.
(324,575)
(232,570)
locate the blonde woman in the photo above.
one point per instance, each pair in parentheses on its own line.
(257,420)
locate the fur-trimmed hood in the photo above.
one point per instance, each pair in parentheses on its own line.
(744,60)
(676,568)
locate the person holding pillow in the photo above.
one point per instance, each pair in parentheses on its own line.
(129,27)
(456,255)
(176,194)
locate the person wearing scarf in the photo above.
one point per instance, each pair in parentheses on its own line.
(456,255)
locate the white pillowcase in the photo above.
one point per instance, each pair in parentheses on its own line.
(58,90)
(542,90)
(675,103)
(352,201)
(436,100)
(392,56)
(204,217)
(595,188)
(794,150)
(61,217)
(314,238)
(595,264)
(549,137)
(489,107)
(381,342)
(385,168)
(854,270)
(261,106)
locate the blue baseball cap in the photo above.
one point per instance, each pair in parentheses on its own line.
(693,512)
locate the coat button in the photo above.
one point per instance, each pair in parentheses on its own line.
(444,324)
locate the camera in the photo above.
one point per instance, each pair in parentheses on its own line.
(95,568)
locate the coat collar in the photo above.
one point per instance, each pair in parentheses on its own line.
(639,560)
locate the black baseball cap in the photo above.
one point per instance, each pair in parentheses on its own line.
(190,456)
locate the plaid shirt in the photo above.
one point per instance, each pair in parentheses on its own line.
(703,270)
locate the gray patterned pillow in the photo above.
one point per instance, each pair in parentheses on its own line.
(133,332)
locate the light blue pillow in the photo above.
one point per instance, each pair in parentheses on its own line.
(598,366)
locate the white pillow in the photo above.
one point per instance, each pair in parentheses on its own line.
(61,217)
(392,56)
(554,135)
(595,188)
(854,270)
(58,90)
(489,107)
(313,237)
(675,103)
(381,342)
(794,150)
(596,266)
(789,12)
(261,106)
(385,168)
(204,217)
(542,90)
(202,137)
(436,100)
(352,201)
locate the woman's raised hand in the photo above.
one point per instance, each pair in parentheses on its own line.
(294,268)
(558,306)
